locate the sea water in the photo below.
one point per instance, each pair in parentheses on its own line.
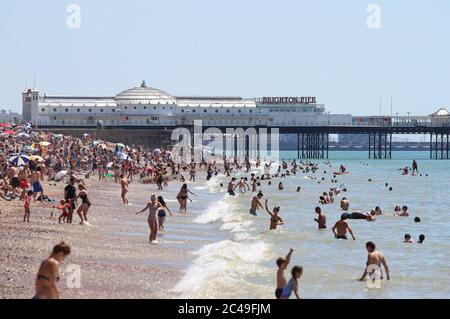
(238,261)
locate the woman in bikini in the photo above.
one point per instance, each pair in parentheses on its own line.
(153,207)
(275,219)
(48,273)
(183,197)
(162,213)
(85,204)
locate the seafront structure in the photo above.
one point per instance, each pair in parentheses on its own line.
(149,109)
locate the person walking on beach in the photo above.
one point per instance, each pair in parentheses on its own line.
(282,263)
(124,182)
(85,204)
(26,205)
(292,285)
(162,213)
(48,274)
(153,207)
(275,219)
(322,219)
(375,258)
(256,204)
(70,196)
(341,228)
(183,197)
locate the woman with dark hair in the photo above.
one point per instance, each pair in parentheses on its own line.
(292,285)
(48,274)
(85,204)
(275,219)
(162,213)
(183,197)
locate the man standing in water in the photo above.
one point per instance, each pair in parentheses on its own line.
(415,170)
(341,227)
(282,263)
(345,204)
(375,258)
(256,204)
(321,220)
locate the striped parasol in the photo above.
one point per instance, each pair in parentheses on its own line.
(19,160)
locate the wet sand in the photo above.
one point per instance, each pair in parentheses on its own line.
(114,256)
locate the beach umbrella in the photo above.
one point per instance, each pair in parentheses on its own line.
(45,143)
(19,160)
(97,142)
(120,145)
(36,158)
(157,151)
(58,135)
(7,125)
(9,132)
(122,156)
(28,148)
(86,134)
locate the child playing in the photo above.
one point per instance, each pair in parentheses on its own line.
(64,212)
(27,201)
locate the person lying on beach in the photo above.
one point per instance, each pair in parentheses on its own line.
(375,258)
(321,220)
(341,228)
(292,285)
(408,239)
(275,220)
(282,263)
(345,204)
(48,274)
(256,204)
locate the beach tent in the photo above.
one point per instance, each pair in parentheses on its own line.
(19,160)
(7,125)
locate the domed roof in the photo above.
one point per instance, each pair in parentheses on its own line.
(144,95)
(441,112)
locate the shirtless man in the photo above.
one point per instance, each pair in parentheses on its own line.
(232,186)
(124,182)
(36,178)
(254,184)
(375,258)
(321,220)
(282,263)
(256,204)
(341,227)
(48,273)
(242,184)
(14,181)
(345,204)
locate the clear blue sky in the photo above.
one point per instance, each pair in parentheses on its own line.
(247,48)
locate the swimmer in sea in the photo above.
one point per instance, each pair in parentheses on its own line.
(275,219)
(322,219)
(282,263)
(280,186)
(421,239)
(48,274)
(341,227)
(408,239)
(415,170)
(256,204)
(375,258)
(342,169)
(345,204)
(370,217)
(404,212)
(292,285)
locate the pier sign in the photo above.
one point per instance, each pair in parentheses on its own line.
(289,100)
